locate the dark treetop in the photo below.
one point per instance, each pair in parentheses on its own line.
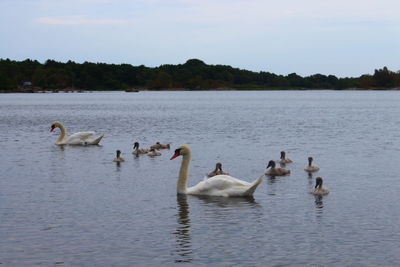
(31,75)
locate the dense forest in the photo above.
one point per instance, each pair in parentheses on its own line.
(31,75)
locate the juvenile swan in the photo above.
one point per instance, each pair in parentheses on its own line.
(80,138)
(119,158)
(310,167)
(219,185)
(217,171)
(319,189)
(273,171)
(137,151)
(284,159)
(157,145)
(153,153)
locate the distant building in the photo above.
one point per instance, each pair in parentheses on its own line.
(27,86)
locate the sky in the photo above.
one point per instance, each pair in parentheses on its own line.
(345,38)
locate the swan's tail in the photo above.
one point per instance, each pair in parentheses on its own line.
(97,140)
(253,187)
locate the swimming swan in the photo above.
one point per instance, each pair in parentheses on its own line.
(153,153)
(220,185)
(137,151)
(217,171)
(310,167)
(119,158)
(157,145)
(276,171)
(80,138)
(284,159)
(319,189)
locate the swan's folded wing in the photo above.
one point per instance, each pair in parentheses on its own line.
(225,186)
(78,138)
(225,181)
(81,135)
(217,183)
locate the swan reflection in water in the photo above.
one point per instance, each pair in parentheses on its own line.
(184,248)
(319,207)
(229,201)
(118,166)
(318,198)
(184,244)
(310,178)
(319,203)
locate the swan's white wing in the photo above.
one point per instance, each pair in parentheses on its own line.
(78,138)
(224,181)
(220,185)
(82,135)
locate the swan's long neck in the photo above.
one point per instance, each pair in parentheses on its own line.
(183,174)
(63,133)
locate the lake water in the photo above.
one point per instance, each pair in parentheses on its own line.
(71,205)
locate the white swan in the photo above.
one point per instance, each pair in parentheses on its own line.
(80,138)
(220,185)
(276,171)
(119,158)
(284,159)
(217,171)
(137,151)
(319,189)
(310,167)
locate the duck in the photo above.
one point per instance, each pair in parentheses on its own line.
(80,138)
(273,171)
(153,152)
(310,167)
(219,185)
(319,189)
(137,151)
(217,171)
(119,158)
(284,159)
(158,145)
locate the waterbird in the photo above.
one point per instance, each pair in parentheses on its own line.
(80,138)
(137,151)
(310,167)
(217,171)
(119,158)
(275,171)
(219,185)
(319,189)
(284,159)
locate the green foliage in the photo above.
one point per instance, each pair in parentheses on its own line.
(384,78)
(194,74)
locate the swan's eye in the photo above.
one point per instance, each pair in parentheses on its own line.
(178,151)
(53,126)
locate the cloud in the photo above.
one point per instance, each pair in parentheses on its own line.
(216,13)
(80,20)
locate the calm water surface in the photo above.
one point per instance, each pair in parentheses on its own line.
(74,206)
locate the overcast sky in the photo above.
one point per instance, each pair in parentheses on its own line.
(346,38)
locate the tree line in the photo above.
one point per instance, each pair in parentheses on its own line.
(194,74)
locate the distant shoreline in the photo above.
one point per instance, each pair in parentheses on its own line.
(75,90)
(31,76)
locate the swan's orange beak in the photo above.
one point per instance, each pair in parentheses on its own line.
(175,155)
